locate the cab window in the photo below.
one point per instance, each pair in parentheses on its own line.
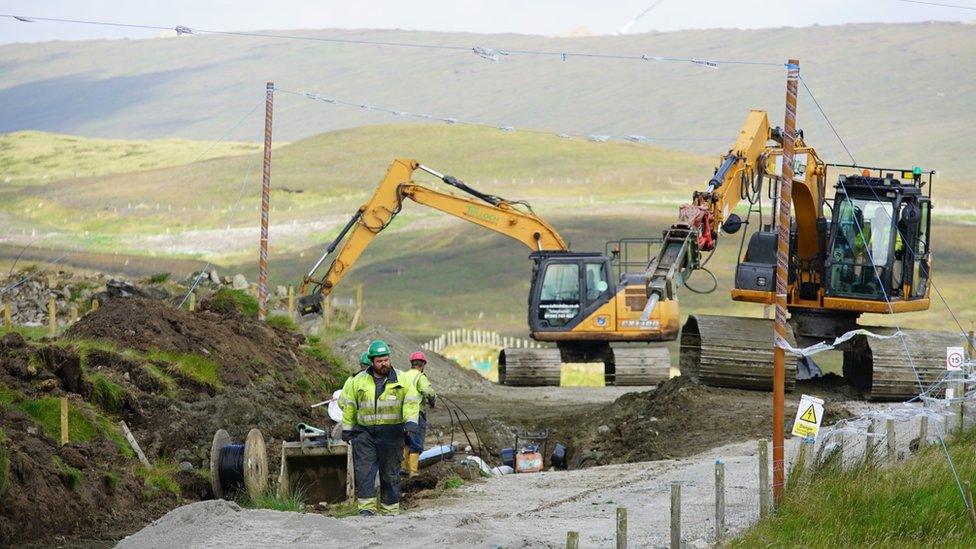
(559,299)
(596,281)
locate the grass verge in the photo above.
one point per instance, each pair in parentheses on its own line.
(159,479)
(915,503)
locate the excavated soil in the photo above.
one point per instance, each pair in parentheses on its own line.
(446,375)
(265,378)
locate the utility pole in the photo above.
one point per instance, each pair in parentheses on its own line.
(782,274)
(265,205)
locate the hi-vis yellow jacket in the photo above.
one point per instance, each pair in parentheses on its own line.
(419,380)
(398,404)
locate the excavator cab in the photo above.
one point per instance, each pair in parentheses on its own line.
(879,239)
(567,288)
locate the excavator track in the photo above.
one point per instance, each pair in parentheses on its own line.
(529,367)
(640,365)
(881,368)
(728,351)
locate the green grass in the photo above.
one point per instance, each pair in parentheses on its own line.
(107,394)
(271,500)
(46,412)
(30,332)
(915,503)
(282,321)
(169,384)
(452,482)
(36,158)
(69,475)
(112,480)
(158,480)
(4,464)
(230,301)
(159,278)
(193,366)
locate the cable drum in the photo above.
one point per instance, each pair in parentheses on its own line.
(238,468)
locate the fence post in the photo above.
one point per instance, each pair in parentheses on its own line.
(94,306)
(763,478)
(869,445)
(969,503)
(719,501)
(291,302)
(193,302)
(675,515)
(73,313)
(961,411)
(923,431)
(52,319)
(621,528)
(64,420)
(800,465)
(8,324)
(890,440)
(327,312)
(572,540)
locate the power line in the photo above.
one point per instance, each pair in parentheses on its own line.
(938,4)
(477,49)
(454,121)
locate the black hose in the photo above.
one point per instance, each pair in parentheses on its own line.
(230,469)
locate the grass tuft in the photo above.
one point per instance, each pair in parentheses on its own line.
(159,479)
(70,476)
(159,278)
(282,321)
(271,500)
(452,483)
(107,394)
(230,301)
(194,366)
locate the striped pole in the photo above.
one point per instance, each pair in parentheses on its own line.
(782,272)
(265,205)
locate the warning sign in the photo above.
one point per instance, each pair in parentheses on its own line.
(808,417)
(954,358)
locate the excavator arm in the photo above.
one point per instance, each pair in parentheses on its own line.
(511,218)
(697,227)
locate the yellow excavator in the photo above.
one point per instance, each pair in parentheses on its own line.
(587,304)
(866,251)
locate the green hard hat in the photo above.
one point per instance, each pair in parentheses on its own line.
(364,359)
(378,348)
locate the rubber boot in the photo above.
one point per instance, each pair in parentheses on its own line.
(405,464)
(413,464)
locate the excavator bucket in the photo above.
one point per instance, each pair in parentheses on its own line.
(316,471)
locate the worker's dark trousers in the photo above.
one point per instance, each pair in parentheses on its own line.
(417,439)
(378,448)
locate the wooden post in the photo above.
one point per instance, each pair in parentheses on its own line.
(719,501)
(64,420)
(572,540)
(961,410)
(969,503)
(8,324)
(869,445)
(621,528)
(265,204)
(193,302)
(327,312)
(134,444)
(763,478)
(675,515)
(359,297)
(890,440)
(923,432)
(52,319)
(73,313)
(94,306)
(291,302)
(800,466)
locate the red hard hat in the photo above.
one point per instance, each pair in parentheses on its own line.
(419,355)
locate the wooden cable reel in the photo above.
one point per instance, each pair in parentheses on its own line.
(237,468)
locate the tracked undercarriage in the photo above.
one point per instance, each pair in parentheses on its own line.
(725,351)
(623,364)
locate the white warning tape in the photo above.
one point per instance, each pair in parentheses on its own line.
(824,346)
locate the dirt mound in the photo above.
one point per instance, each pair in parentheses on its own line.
(174,377)
(444,374)
(678,419)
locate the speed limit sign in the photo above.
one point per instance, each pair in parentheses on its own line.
(954,358)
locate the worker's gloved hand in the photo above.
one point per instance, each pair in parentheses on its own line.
(432,401)
(347,435)
(410,427)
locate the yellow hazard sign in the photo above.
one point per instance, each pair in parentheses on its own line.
(809,414)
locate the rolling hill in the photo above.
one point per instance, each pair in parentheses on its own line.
(892,91)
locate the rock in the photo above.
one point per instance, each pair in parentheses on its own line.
(186,466)
(214,277)
(281,291)
(49,384)
(32,430)
(240,283)
(66,293)
(603,429)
